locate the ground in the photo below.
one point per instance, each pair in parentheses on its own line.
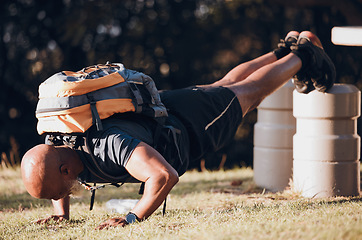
(206,205)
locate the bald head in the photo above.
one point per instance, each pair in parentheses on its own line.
(46,171)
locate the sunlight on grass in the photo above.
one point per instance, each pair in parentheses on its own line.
(207,205)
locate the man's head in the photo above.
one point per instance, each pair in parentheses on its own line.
(50,172)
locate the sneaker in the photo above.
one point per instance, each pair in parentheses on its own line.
(285,44)
(319,70)
(289,40)
(302,83)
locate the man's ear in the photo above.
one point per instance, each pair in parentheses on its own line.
(64,169)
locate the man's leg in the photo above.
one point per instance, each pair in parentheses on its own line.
(242,71)
(264,81)
(308,57)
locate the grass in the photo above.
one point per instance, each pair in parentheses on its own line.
(207,205)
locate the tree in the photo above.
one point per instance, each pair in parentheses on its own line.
(178,43)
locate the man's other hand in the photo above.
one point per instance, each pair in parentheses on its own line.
(112,222)
(56,218)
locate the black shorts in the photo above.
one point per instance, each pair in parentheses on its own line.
(210,115)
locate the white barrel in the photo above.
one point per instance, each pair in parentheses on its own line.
(326,145)
(273,140)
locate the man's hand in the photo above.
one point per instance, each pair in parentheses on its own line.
(61,209)
(56,218)
(112,222)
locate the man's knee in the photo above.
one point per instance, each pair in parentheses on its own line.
(249,98)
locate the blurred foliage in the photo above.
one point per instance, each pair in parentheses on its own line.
(178,43)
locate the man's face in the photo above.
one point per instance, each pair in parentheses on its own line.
(72,188)
(58,190)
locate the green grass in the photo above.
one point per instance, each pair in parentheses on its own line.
(208,205)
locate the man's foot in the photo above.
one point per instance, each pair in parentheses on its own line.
(285,44)
(292,37)
(317,67)
(302,83)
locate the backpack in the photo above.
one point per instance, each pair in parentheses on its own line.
(71,102)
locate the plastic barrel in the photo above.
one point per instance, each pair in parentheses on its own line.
(273,140)
(326,144)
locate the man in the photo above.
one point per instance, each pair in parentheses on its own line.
(207,116)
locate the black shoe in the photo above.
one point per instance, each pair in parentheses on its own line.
(285,44)
(319,69)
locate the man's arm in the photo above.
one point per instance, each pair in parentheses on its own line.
(61,210)
(147,165)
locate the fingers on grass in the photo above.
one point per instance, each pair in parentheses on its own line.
(113,222)
(102,226)
(51,218)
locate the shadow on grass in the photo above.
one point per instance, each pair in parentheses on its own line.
(19,202)
(339,200)
(23,201)
(316,203)
(228,184)
(240,185)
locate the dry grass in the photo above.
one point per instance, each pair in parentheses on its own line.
(208,205)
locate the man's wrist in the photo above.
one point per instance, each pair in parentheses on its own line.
(132,218)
